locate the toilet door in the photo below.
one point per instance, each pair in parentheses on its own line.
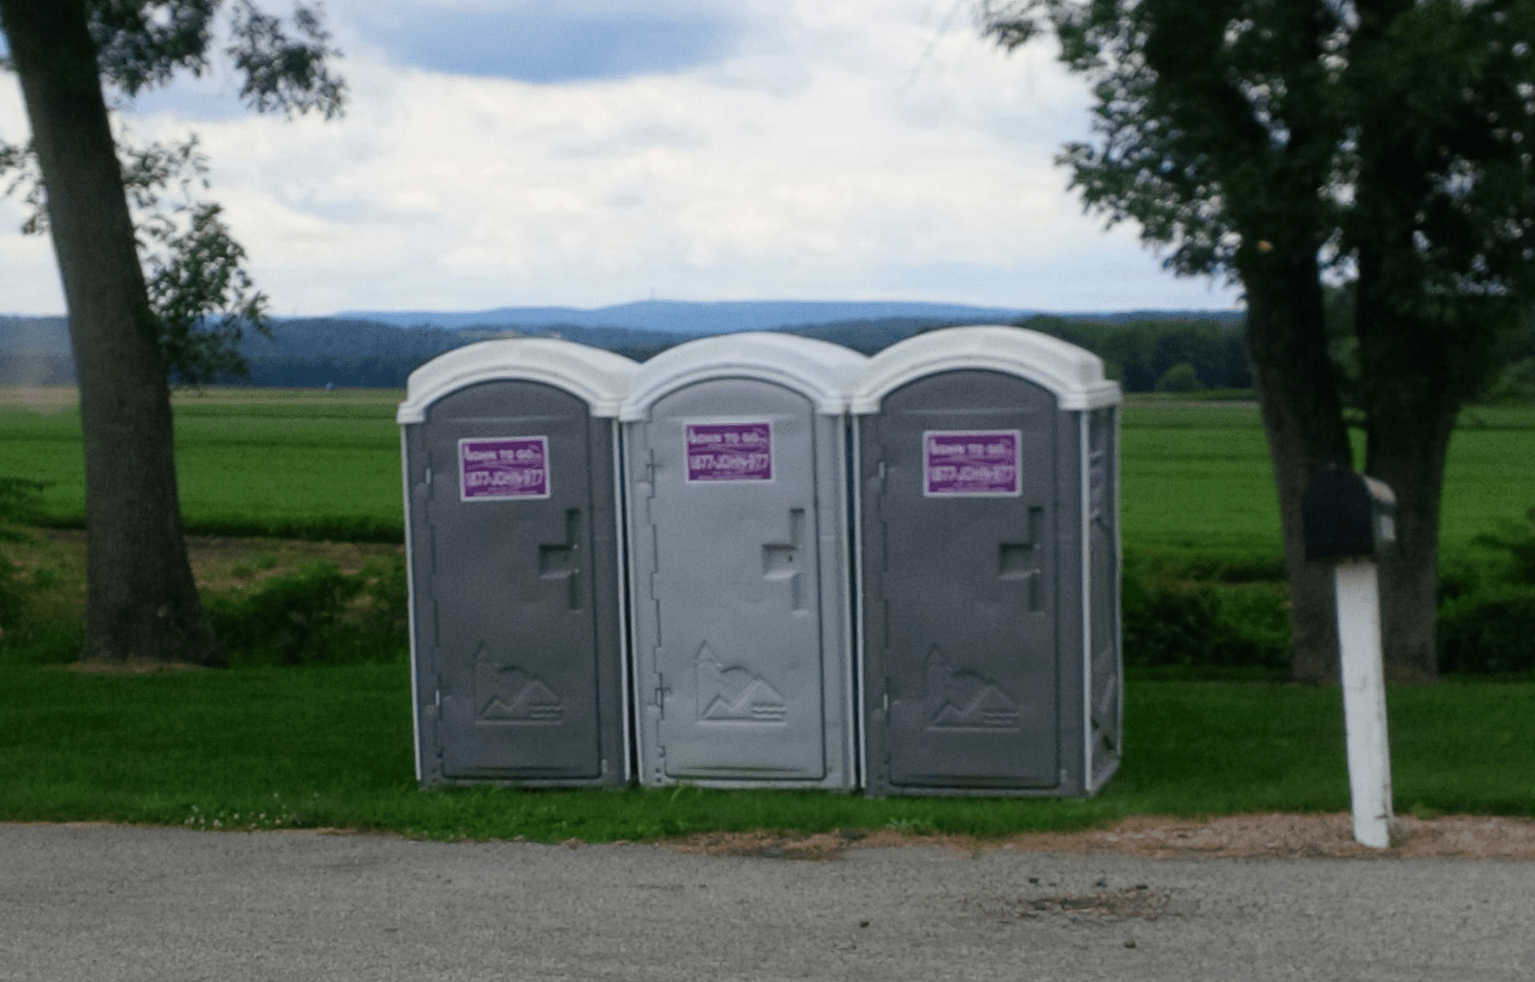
(959,514)
(509,519)
(733,668)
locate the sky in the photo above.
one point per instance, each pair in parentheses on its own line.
(592,152)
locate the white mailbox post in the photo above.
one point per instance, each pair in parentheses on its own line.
(1351,519)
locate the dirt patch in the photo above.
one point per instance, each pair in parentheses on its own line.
(39,396)
(1278,836)
(221,562)
(1294,835)
(793,845)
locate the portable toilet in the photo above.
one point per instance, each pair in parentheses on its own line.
(510,452)
(737,450)
(988,532)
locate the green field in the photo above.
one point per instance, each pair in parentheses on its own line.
(309,464)
(1198,476)
(256,462)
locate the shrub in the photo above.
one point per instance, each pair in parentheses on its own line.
(1201,627)
(19,498)
(1518,541)
(1487,633)
(315,616)
(20,502)
(1182,377)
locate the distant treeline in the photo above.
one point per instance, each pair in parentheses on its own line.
(316,352)
(1160,355)
(1143,351)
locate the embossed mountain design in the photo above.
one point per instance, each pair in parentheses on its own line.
(507,694)
(734,695)
(965,700)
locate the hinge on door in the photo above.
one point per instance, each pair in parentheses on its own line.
(879,478)
(437,699)
(661,691)
(887,701)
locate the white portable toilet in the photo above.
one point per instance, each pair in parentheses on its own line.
(510,455)
(736,450)
(988,531)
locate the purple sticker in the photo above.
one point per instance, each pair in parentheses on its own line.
(729,452)
(972,463)
(498,468)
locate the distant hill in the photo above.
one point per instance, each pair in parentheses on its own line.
(684,317)
(35,335)
(359,351)
(35,351)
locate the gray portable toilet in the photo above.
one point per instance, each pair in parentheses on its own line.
(510,452)
(736,449)
(989,544)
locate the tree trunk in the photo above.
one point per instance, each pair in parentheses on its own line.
(1409,456)
(1411,401)
(1303,420)
(141,600)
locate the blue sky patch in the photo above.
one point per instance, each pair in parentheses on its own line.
(551,43)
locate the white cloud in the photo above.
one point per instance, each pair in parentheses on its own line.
(840,149)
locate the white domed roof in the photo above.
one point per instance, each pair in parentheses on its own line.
(597,376)
(1073,374)
(826,373)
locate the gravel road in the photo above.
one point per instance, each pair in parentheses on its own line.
(108,903)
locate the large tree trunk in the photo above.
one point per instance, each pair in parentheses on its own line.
(1303,420)
(1411,401)
(1409,455)
(141,599)
(1416,367)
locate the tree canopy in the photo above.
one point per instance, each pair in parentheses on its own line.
(1224,125)
(1385,145)
(201,294)
(127,329)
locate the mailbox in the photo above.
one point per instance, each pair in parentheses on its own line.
(1345,514)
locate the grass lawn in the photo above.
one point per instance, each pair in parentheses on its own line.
(332,748)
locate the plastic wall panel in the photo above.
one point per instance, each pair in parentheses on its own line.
(1106,702)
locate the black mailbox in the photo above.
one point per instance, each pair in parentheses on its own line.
(1347,514)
